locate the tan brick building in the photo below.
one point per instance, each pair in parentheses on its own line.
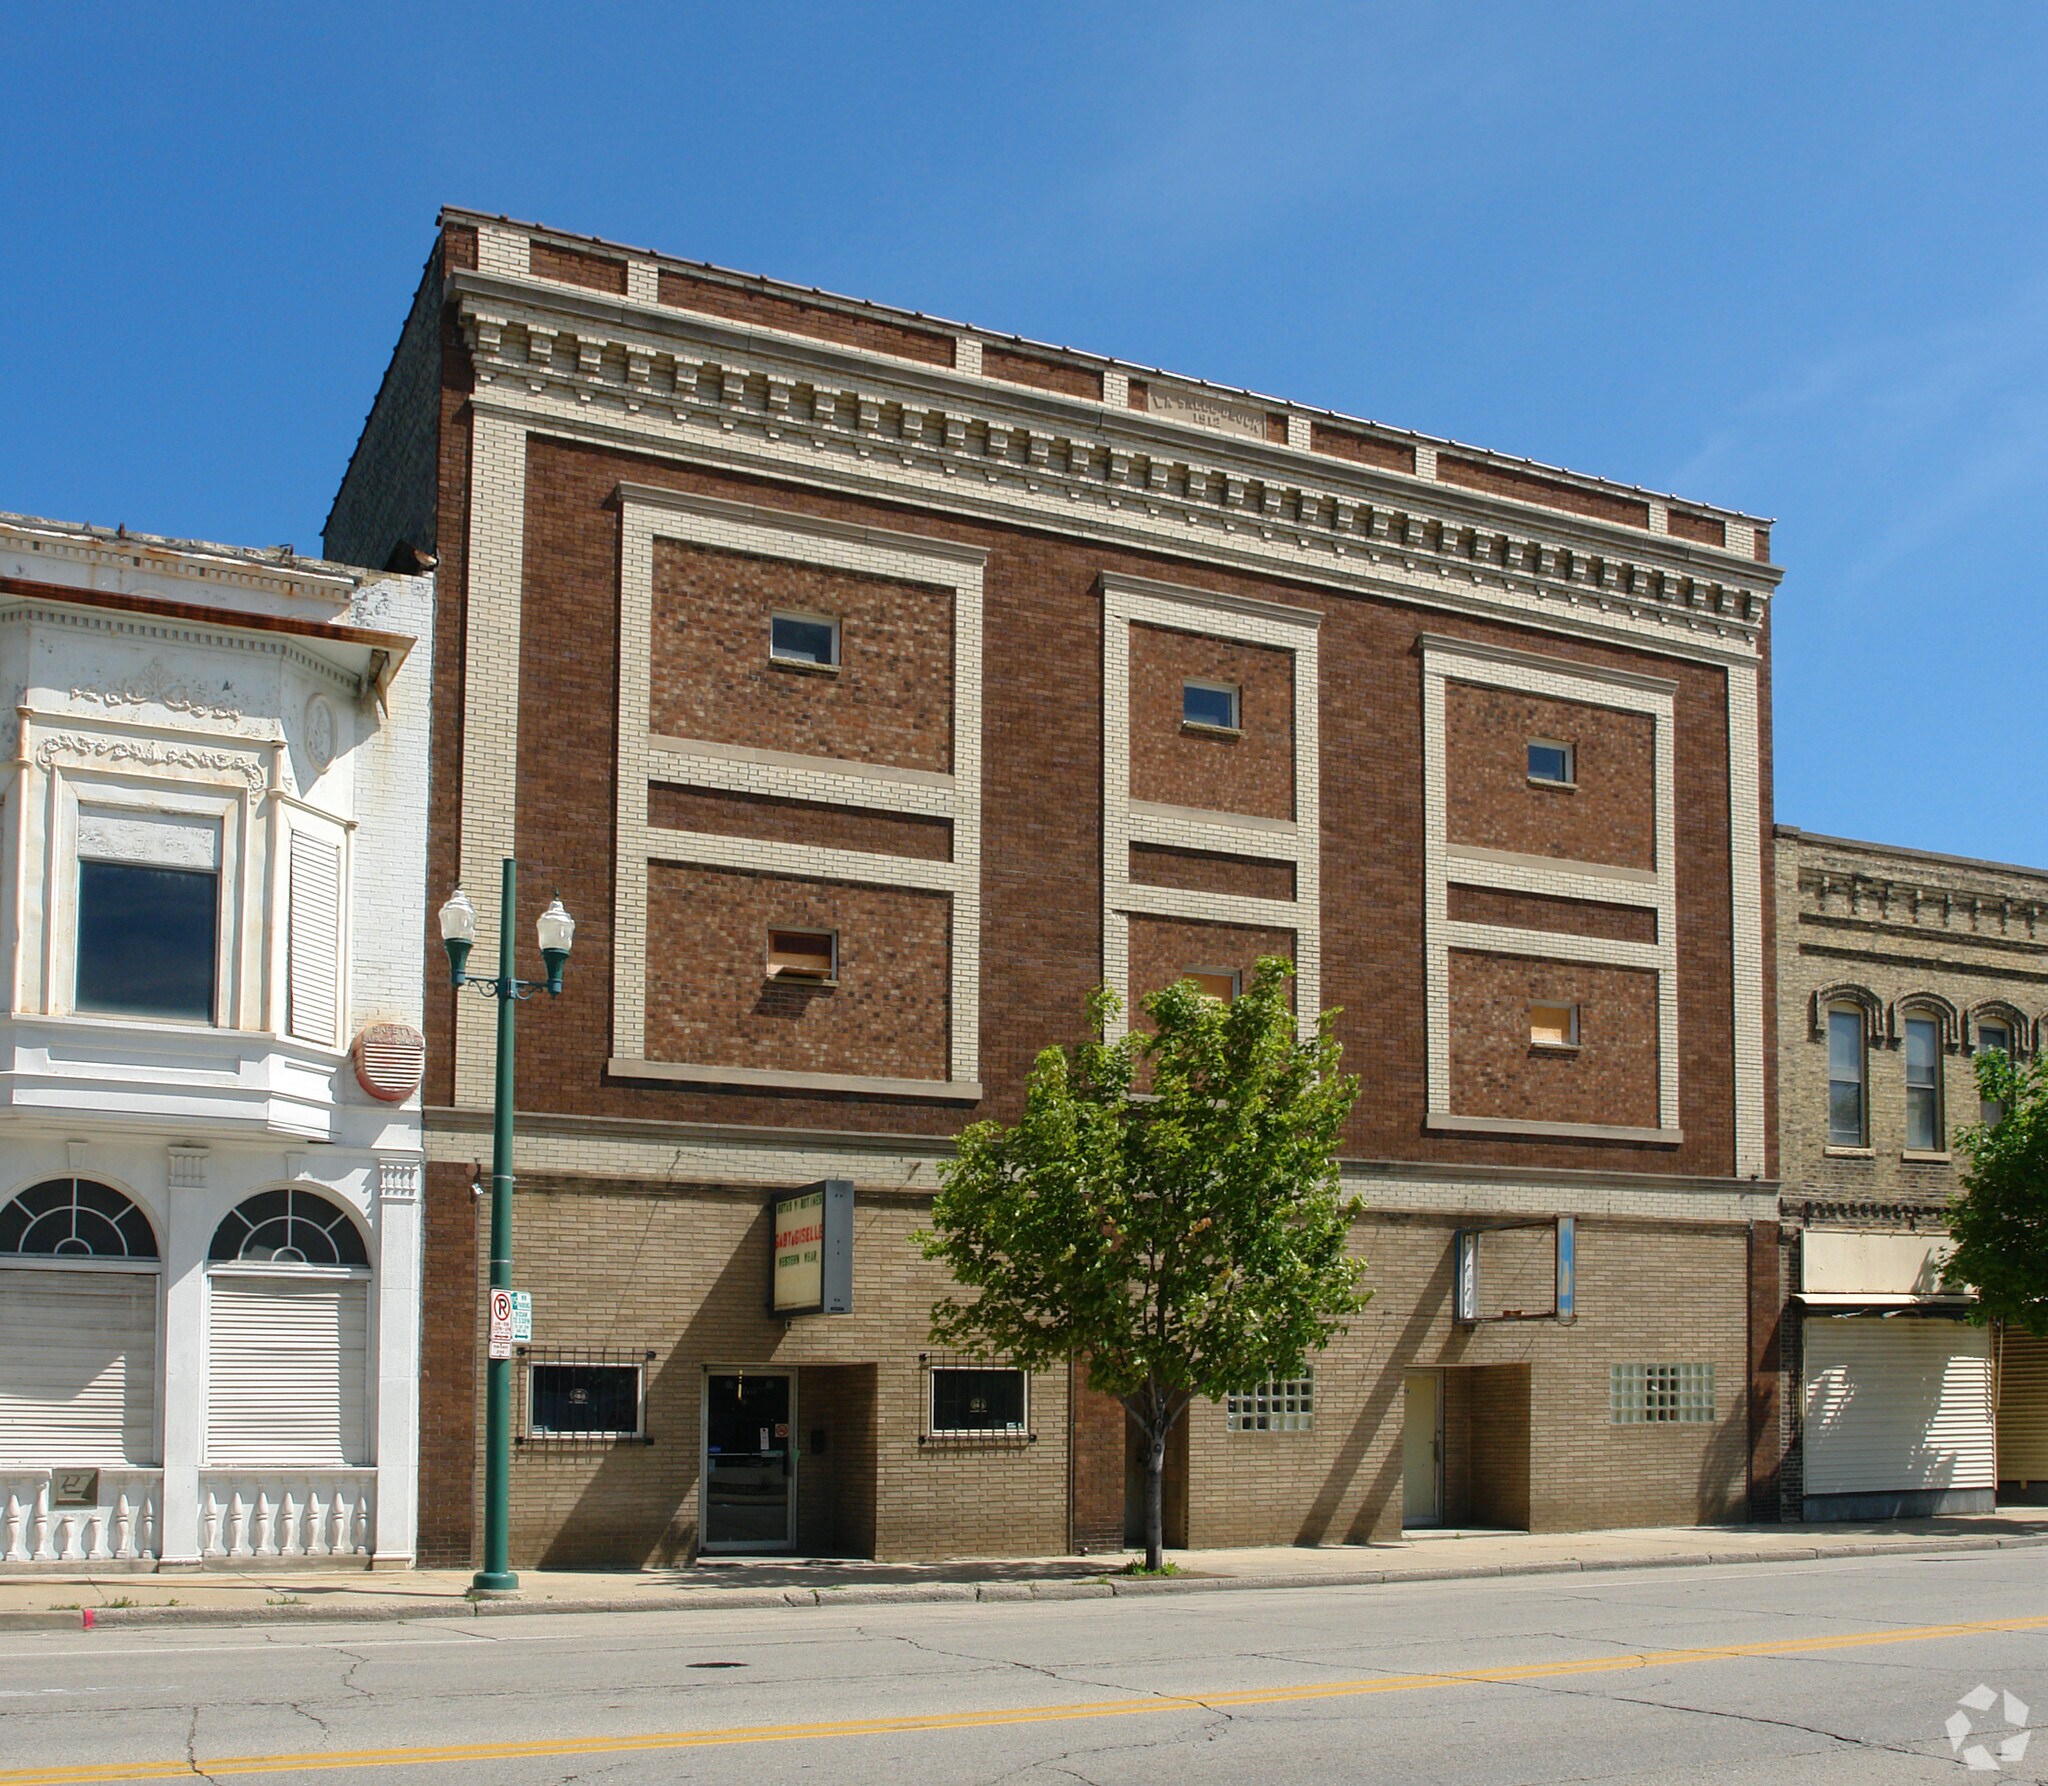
(1896,968)
(871,687)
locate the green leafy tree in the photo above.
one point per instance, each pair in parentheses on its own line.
(1167,1209)
(2000,1221)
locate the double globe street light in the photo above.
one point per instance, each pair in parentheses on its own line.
(556,931)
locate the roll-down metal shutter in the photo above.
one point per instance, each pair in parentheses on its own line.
(2023,1409)
(286,1373)
(77,1368)
(1896,1404)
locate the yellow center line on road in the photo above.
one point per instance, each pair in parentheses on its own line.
(1139,1704)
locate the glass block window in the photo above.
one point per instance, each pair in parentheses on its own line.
(1661,1394)
(1281,1407)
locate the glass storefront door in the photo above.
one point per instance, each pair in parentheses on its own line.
(749,1460)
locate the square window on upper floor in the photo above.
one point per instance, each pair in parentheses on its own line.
(1210,706)
(1552,764)
(810,641)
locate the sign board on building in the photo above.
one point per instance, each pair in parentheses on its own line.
(810,1261)
(501,1324)
(1567,1266)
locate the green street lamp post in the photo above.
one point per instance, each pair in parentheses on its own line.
(458,933)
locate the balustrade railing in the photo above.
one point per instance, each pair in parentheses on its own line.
(41,1522)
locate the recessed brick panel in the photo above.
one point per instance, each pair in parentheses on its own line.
(1609,818)
(1163,950)
(1018,367)
(675,808)
(596,272)
(891,701)
(1361,449)
(1611,1077)
(710,1001)
(1253,773)
(1553,493)
(1709,530)
(1205,871)
(737,303)
(1539,911)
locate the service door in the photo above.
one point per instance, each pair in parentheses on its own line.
(1422,1474)
(1896,1405)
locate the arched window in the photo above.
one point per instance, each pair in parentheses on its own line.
(288,1228)
(75,1218)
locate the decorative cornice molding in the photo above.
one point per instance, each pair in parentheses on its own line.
(154,684)
(776,407)
(144,753)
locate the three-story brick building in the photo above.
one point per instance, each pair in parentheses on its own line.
(871,687)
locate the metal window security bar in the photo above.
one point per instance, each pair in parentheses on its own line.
(581,1398)
(968,1401)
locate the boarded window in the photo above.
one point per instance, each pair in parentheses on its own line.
(803,954)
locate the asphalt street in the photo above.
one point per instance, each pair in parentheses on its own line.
(1846,1670)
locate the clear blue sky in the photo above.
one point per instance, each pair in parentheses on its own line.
(1789,258)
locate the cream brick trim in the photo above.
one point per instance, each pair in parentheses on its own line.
(490,712)
(1558,1131)
(1131,601)
(775,1079)
(648,515)
(681,1154)
(734,769)
(1455,660)
(1746,877)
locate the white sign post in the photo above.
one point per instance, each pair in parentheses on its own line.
(501,1324)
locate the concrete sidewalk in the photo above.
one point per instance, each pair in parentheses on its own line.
(294,1595)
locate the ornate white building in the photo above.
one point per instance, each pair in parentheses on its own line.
(213,767)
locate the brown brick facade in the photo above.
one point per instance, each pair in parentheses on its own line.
(1251,773)
(595,272)
(1017,367)
(1648,1291)
(890,700)
(1527,486)
(711,1002)
(1609,1077)
(1608,817)
(740,303)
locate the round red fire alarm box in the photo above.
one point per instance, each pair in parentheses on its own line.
(391,1059)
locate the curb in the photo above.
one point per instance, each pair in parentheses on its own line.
(971,1593)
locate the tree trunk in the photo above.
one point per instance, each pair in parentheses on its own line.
(1155,1495)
